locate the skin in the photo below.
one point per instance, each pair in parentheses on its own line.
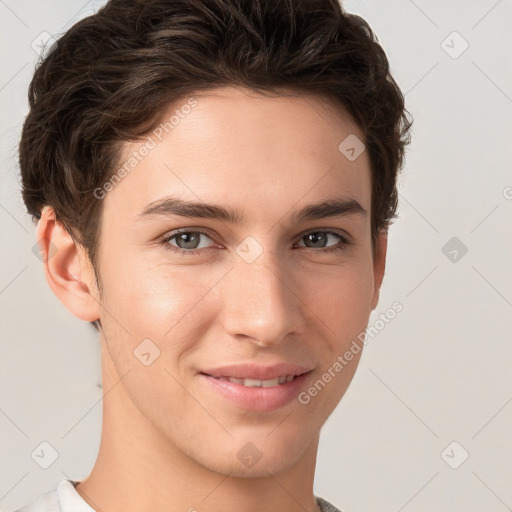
(168,442)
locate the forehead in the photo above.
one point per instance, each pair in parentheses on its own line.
(238,147)
(264,121)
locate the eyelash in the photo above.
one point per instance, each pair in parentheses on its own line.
(164,241)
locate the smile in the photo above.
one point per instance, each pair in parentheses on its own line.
(255,383)
(255,394)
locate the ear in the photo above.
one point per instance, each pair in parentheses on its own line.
(379,265)
(67,268)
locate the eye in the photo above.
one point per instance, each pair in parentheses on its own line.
(187,241)
(318,239)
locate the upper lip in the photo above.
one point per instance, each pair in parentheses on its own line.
(257,372)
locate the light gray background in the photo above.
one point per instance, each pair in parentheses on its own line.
(438,373)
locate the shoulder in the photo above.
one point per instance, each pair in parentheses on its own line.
(326,506)
(48,502)
(64,498)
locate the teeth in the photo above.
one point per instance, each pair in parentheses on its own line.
(254,383)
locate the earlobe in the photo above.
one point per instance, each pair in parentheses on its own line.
(67,269)
(379,266)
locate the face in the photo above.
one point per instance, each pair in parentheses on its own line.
(189,290)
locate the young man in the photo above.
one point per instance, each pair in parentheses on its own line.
(213,181)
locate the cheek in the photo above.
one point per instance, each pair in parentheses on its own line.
(154,297)
(167,304)
(341,298)
(161,303)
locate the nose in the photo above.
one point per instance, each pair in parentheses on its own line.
(262,301)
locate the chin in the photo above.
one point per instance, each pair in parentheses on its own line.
(261,469)
(264,455)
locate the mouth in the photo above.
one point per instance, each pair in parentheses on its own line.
(257,395)
(255,383)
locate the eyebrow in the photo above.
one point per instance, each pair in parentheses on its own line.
(173,205)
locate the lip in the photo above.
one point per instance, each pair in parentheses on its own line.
(254,371)
(257,398)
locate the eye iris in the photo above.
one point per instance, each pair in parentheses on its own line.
(315,237)
(185,237)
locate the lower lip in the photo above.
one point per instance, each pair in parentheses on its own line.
(257,399)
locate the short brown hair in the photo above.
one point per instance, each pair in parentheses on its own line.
(111,75)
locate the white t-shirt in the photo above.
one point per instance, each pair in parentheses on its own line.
(65,498)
